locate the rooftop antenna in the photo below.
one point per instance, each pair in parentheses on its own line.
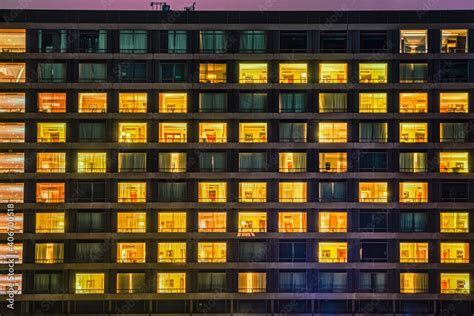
(160,6)
(191,7)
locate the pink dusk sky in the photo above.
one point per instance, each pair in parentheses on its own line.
(265,5)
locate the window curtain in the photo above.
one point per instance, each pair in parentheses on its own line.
(133,41)
(299,160)
(293,132)
(172,192)
(90,252)
(333,102)
(413,222)
(373,132)
(92,132)
(92,72)
(102,41)
(408,163)
(49,72)
(292,282)
(453,132)
(252,102)
(212,281)
(177,41)
(212,161)
(332,191)
(333,282)
(213,102)
(373,281)
(252,161)
(292,102)
(133,284)
(47,282)
(421,282)
(413,72)
(213,41)
(90,222)
(252,41)
(135,162)
(166,164)
(252,251)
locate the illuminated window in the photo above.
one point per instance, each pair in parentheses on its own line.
(330,132)
(172,132)
(454,41)
(11,222)
(174,252)
(10,283)
(453,162)
(411,283)
(91,162)
(455,283)
(50,192)
(49,223)
(131,252)
(212,192)
(132,102)
(173,102)
(11,254)
(50,102)
(212,73)
(131,222)
(212,251)
(172,162)
(131,282)
(252,282)
(413,162)
(90,283)
(171,282)
(332,222)
(132,192)
(50,162)
(332,252)
(332,73)
(413,102)
(252,192)
(11,192)
(454,252)
(292,222)
(252,222)
(12,40)
(373,102)
(253,73)
(51,132)
(293,73)
(413,252)
(171,222)
(453,102)
(49,253)
(454,222)
(12,72)
(413,192)
(292,191)
(252,132)
(12,102)
(12,132)
(132,132)
(212,222)
(413,41)
(92,102)
(292,162)
(413,132)
(332,162)
(373,73)
(373,192)
(212,132)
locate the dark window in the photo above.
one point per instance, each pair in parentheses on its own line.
(172,72)
(411,222)
(90,191)
(454,192)
(93,41)
(373,282)
(51,72)
(133,41)
(92,72)
(48,283)
(52,41)
(293,307)
(212,161)
(293,41)
(454,132)
(373,41)
(89,222)
(292,251)
(211,306)
(292,282)
(92,132)
(373,132)
(133,72)
(372,161)
(373,251)
(413,72)
(252,251)
(253,102)
(90,252)
(332,192)
(252,162)
(211,282)
(332,42)
(253,42)
(372,222)
(381,307)
(212,102)
(173,41)
(172,191)
(252,306)
(453,71)
(332,282)
(213,42)
(292,102)
(292,132)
